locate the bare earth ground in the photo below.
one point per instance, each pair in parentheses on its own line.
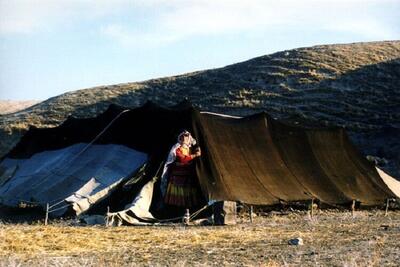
(333,238)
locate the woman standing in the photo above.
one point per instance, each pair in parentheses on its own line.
(182,190)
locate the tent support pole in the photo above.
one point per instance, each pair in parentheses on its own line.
(353,207)
(47,214)
(186,217)
(108,212)
(387,207)
(312,208)
(251,213)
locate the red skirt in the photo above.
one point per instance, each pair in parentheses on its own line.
(182,190)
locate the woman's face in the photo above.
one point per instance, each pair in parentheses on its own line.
(185,139)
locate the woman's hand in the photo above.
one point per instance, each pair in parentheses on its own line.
(197,153)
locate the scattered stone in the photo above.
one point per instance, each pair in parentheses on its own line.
(296,241)
(385,226)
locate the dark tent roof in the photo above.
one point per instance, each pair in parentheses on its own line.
(254,159)
(149,129)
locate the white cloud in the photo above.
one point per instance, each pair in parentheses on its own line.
(370,29)
(30,16)
(178,20)
(129,38)
(184,19)
(168,21)
(21,17)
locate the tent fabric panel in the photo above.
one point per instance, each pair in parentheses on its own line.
(137,212)
(233,172)
(273,162)
(390,182)
(150,129)
(83,200)
(298,156)
(265,161)
(7,174)
(206,170)
(15,189)
(50,183)
(330,151)
(83,192)
(367,168)
(37,174)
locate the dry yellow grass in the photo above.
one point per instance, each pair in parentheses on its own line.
(330,238)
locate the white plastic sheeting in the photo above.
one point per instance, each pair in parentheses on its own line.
(392,183)
(137,212)
(51,176)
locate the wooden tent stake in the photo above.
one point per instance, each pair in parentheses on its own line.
(312,208)
(353,207)
(251,213)
(108,212)
(47,214)
(186,217)
(387,207)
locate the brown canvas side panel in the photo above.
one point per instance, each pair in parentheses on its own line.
(366,167)
(264,160)
(207,173)
(261,161)
(299,158)
(230,166)
(330,151)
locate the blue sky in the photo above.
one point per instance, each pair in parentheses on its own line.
(48,47)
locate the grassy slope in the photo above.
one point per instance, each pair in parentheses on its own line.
(350,85)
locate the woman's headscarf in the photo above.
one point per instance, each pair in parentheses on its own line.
(192,141)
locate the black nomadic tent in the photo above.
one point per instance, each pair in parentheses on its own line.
(254,159)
